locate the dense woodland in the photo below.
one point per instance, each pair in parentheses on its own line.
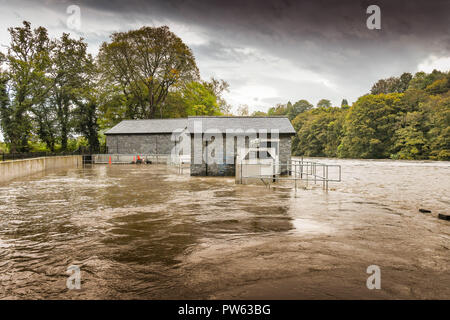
(54,96)
(401,118)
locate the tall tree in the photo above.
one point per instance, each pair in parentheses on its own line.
(145,64)
(86,123)
(4,98)
(45,123)
(324,103)
(71,73)
(278,110)
(421,80)
(319,131)
(370,126)
(86,99)
(199,100)
(218,87)
(392,84)
(298,107)
(27,64)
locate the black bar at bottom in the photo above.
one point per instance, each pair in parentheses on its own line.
(232,309)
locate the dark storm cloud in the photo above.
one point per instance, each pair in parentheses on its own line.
(303,29)
(288,19)
(300,49)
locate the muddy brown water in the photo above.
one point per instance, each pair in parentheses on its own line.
(146,232)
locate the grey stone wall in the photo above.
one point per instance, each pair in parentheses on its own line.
(140,143)
(285,152)
(230,145)
(226,168)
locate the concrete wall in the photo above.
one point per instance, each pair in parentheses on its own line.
(144,143)
(19,168)
(228,153)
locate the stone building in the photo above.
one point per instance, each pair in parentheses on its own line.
(154,136)
(223,137)
(213,142)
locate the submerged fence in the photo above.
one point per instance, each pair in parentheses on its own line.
(130,158)
(294,170)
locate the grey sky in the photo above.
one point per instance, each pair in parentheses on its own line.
(271,51)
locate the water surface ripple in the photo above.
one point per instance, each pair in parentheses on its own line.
(146,232)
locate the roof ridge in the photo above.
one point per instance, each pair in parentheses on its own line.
(275,116)
(155,119)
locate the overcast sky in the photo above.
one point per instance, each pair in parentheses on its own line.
(270,51)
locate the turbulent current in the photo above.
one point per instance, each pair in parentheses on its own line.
(147,232)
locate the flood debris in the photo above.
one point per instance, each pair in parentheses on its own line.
(424,210)
(444,216)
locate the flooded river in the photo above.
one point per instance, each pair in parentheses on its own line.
(147,232)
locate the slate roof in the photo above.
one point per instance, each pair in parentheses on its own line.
(210,123)
(222,123)
(148,126)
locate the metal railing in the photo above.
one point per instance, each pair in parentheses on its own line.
(130,158)
(307,171)
(180,162)
(295,170)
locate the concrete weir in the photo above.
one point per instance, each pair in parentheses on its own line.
(19,168)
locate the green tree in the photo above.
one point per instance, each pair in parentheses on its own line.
(259,114)
(86,123)
(437,110)
(218,87)
(70,72)
(392,84)
(297,108)
(410,140)
(319,132)
(175,106)
(112,105)
(421,80)
(45,120)
(404,81)
(27,64)
(278,110)
(370,126)
(144,65)
(324,103)
(4,101)
(439,86)
(199,100)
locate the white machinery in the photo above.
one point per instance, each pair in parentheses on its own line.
(261,159)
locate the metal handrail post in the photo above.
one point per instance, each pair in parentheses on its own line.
(307,174)
(295,176)
(301,170)
(315,173)
(241,171)
(323,174)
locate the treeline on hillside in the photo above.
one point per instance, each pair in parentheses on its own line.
(55,96)
(406,117)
